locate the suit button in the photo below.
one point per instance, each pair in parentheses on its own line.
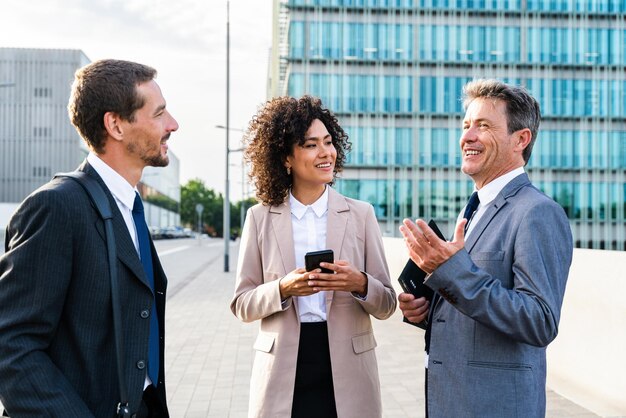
(141,364)
(145,313)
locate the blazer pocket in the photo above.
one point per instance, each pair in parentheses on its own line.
(488,256)
(264,342)
(500,366)
(363,342)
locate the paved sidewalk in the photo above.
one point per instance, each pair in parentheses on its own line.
(209,356)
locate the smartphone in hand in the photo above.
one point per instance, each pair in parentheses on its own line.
(313,259)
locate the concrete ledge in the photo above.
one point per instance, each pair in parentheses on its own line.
(586,362)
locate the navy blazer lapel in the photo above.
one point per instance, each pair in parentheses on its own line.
(126,251)
(494,207)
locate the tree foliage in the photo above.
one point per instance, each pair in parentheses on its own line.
(195,192)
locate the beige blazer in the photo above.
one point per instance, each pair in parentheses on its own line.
(266,255)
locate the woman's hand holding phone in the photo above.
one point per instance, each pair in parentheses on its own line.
(344,277)
(296,283)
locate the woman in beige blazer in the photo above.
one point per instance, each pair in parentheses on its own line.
(315,349)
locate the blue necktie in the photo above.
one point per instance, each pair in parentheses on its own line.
(146,261)
(470,208)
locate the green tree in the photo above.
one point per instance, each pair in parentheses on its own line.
(235,214)
(195,192)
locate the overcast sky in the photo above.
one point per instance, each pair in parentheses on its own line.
(185,40)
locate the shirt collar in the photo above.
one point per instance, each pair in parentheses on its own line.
(319,207)
(489,192)
(117,185)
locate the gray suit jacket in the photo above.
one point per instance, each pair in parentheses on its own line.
(57,357)
(498,307)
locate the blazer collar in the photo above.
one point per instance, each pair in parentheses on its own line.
(126,251)
(320,206)
(338,216)
(494,207)
(283,234)
(335,229)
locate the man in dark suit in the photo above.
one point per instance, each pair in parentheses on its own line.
(57,352)
(499,284)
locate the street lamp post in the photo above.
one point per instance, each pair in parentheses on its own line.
(242,209)
(226,220)
(226,216)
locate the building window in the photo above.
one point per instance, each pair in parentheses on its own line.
(43,92)
(41,172)
(42,131)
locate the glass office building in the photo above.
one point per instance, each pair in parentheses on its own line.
(393,70)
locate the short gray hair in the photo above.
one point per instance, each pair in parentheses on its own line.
(522,110)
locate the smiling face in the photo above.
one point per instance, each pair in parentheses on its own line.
(151,128)
(487,149)
(312,164)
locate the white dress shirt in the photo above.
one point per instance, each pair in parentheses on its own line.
(487,194)
(124,195)
(309,234)
(121,190)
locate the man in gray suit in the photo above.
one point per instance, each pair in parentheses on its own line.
(57,352)
(499,284)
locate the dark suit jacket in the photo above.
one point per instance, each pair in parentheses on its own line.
(57,355)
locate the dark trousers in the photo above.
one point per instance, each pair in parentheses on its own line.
(150,404)
(314,396)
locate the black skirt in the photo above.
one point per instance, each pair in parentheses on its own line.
(314,396)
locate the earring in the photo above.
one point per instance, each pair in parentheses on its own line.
(288,171)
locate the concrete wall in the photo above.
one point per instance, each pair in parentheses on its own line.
(587,361)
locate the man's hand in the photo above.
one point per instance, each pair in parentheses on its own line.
(345,278)
(425,248)
(415,310)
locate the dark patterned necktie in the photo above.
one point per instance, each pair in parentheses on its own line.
(146,261)
(470,208)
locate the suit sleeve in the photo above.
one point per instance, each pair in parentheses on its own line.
(530,311)
(254,298)
(381,297)
(35,273)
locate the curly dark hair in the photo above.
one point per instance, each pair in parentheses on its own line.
(279,125)
(105,86)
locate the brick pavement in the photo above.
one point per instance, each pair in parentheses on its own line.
(209,356)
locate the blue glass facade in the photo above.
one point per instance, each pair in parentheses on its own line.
(393,71)
(586,6)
